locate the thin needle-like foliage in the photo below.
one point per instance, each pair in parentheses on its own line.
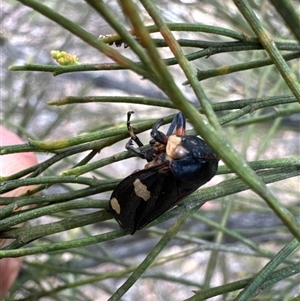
(232,69)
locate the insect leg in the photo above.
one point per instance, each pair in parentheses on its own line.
(133,136)
(179,123)
(158,135)
(129,146)
(147,154)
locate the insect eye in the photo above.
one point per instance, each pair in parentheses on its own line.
(179,152)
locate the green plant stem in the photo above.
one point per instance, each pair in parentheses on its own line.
(49,180)
(110,17)
(214,257)
(32,214)
(58,70)
(289,16)
(194,201)
(66,245)
(255,103)
(210,48)
(72,175)
(236,185)
(82,282)
(60,154)
(224,70)
(231,287)
(267,117)
(16,203)
(23,236)
(115,99)
(84,35)
(266,164)
(109,134)
(167,237)
(255,286)
(184,64)
(224,46)
(198,27)
(220,145)
(223,229)
(152,255)
(131,11)
(270,47)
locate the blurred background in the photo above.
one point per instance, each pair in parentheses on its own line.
(28,37)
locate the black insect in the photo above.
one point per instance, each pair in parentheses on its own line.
(177,166)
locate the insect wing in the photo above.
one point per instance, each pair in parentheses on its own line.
(143,196)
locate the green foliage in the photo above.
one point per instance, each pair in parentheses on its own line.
(241,78)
